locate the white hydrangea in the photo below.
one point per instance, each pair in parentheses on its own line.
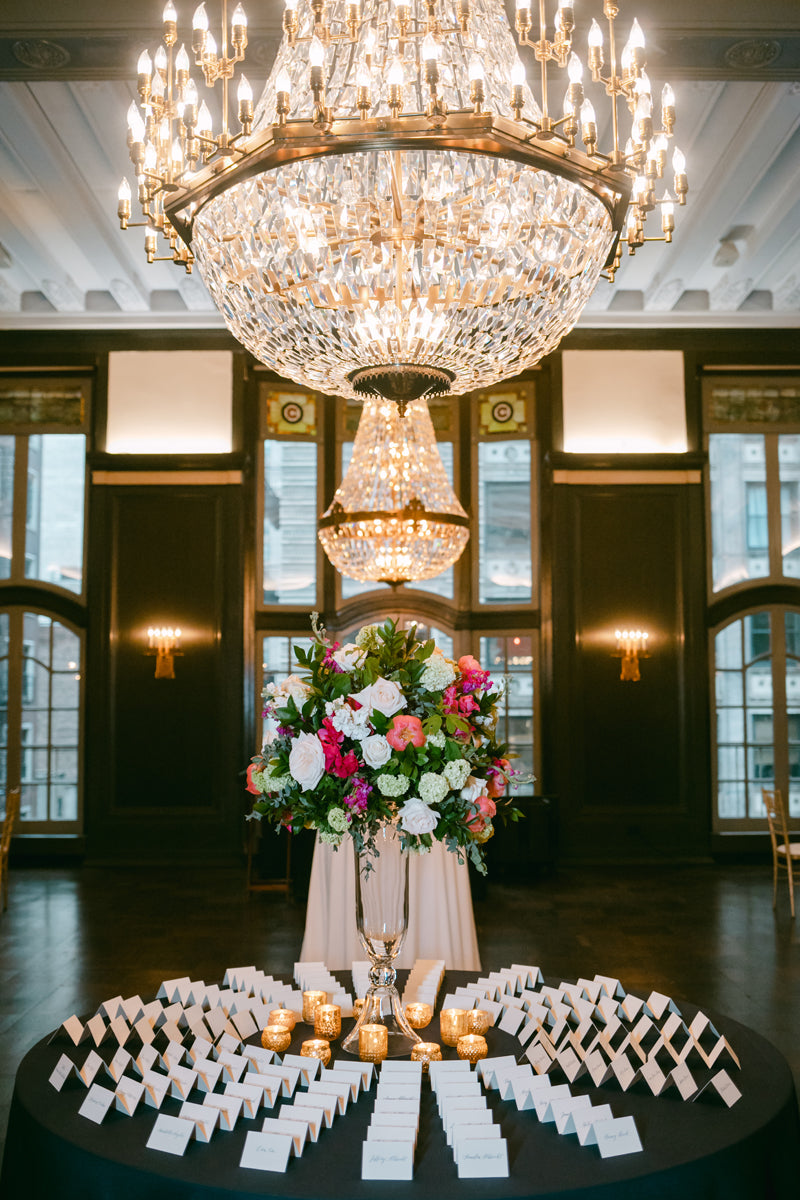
(367,638)
(456,773)
(433,788)
(347,720)
(331,839)
(437,739)
(292,685)
(393,785)
(439,673)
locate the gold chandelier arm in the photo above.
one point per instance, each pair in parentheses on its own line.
(411,513)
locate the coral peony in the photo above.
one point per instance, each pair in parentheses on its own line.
(405,730)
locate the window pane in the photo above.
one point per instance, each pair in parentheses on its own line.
(737,468)
(54,518)
(290,523)
(789,466)
(510,662)
(7,445)
(504,522)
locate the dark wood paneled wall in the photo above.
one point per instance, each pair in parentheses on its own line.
(166,755)
(629,761)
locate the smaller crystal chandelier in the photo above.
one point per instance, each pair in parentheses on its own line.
(394,518)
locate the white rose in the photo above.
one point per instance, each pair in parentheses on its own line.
(296,687)
(376,750)
(348,656)
(383,695)
(307,761)
(473,788)
(416,817)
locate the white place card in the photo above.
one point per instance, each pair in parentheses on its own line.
(228,1043)
(97,1103)
(181,1081)
(384,1120)
(208,1073)
(486,1067)
(389,1089)
(463,998)
(446,1067)
(170,1134)
(216,1021)
(486,1159)
(169,988)
(543,1102)
(506,1077)
(723,1086)
(296,1130)
(270,1087)
(289,1077)
(156,1088)
(171,1031)
(228,1107)
(144,1030)
(233,1065)
(250,1095)
(451,1000)
(624,1070)
(446,1092)
(530,977)
(90,1067)
(539,1057)
(397,1106)
(572,1066)
(397,1069)
(459,1108)
(259,1058)
(565,1112)
(174,1052)
(204,1119)
(511,1020)
(387,1160)
(721,1051)
(617,1136)
(525,1093)
(63,1069)
(365,1070)
(128,1094)
(74,1029)
(585,1119)
(312,1114)
(119,1029)
(111,1008)
(133,1008)
(340,1091)
(97,1029)
(684,1081)
(145,1059)
(461,1136)
(350,1079)
(245,1025)
(324,1100)
(391,1133)
(457,1119)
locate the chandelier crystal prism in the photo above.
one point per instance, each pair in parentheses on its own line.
(402,215)
(394,518)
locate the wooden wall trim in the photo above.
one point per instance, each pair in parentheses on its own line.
(199,478)
(633,477)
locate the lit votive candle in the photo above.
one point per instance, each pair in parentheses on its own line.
(317,1048)
(478,1020)
(310,1002)
(373,1043)
(419,1015)
(284,1017)
(327,1021)
(426,1053)
(277,1038)
(453,1024)
(472,1047)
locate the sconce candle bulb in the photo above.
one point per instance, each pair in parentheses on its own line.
(631,646)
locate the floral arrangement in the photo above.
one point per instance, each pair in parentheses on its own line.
(384,729)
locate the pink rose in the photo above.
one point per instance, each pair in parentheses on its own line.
(486,809)
(404,730)
(467,663)
(251,787)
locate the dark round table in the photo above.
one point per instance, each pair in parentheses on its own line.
(691,1151)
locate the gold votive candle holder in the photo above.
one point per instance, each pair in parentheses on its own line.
(452,1024)
(310,1002)
(472,1047)
(426,1053)
(317,1048)
(327,1021)
(284,1017)
(419,1014)
(478,1020)
(277,1038)
(357,1007)
(373,1043)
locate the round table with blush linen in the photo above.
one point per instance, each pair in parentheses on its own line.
(690,1150)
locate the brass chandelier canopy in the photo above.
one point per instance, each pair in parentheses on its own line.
(402,215)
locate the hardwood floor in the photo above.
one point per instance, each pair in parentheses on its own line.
(72,937)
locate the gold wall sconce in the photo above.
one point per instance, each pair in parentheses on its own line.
(164,643)
(631,646)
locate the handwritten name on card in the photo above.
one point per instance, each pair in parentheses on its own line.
(170,1134)
(63,1069)
(487,1159)
(387,1160)
(617,1136)
(97,1103)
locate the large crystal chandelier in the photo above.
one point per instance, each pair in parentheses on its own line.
(402,214)
(395,517)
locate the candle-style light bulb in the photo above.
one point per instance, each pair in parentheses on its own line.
(363,77)
(396,75)
(316,52)
(144,66)
(204,117)
(518,74)
(678,161)
(574,68)
(200,18)
(244,92)
(169,13)
(283,83)
(636,37)
(239,17)
(667,97)
(124,192)
(595,37)
(135,123)
(182,60)
(476,69)
(430,48)
(190,96)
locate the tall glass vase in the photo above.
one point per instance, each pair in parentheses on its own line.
(382,921)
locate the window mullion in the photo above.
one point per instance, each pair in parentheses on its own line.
(780,730)
(774,506)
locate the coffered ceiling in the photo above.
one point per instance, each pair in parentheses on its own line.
(67,76)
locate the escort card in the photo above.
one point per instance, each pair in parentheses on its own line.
(456,1118)
(486,1067)
(200,1048)
(97,1103)
(296,1130)
(390,1089)
(266,1151)
(181,1080)
(128,1094)
(97,1029)
(530,977)
(585,1119)
(173,1053)
(250,1095)
(144,1030)
(397,1106)
(482,1131)
(617,1135)
(451,1000)
(216,1021)
(387,1160)
(312,1114)
(90,1068)
(74,1029)
(448,1091)
(392,1068)
(229,1108)
(723,1086)
(228,1043)
(384,1120)
(133,1008)
(366,1070)
(289,1076)
(270,1087)
(539,1057)
(543,1101)
(392,1133)
(170,1134)
(309,1068)
(657,1004)
(341,1092)
(259,1058)
(511,1020)
(351,1080)
(446,1067)
(631,1006)
(155,1088)
(245,1025)
(169,988)
(654,1077)
(147,1056)
(525,1094)
(565,1112)
(111,1008)
(171,1032)
(233,1065)
(119,1030)
(63,1069)
(325,1101)
(204,1119)
(684,1081)
(506,1077)
(486,1159)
